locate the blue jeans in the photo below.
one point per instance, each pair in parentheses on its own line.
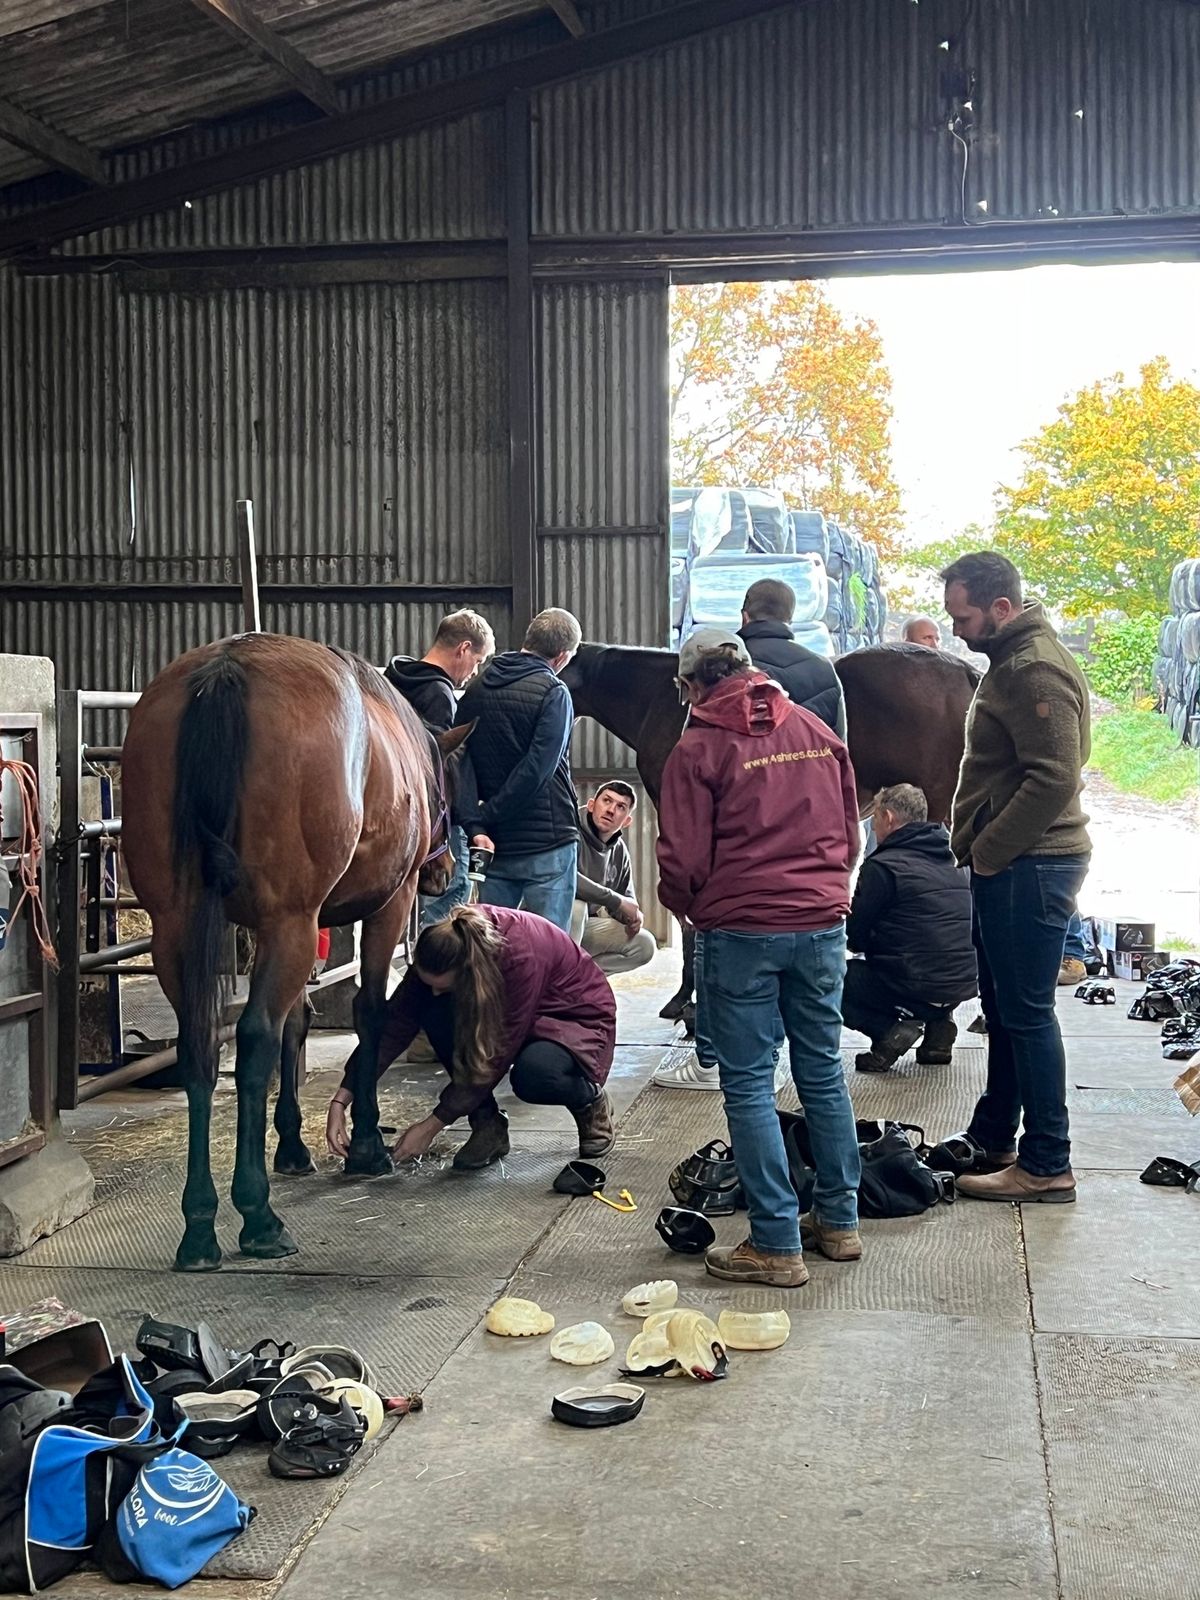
(543,883)
(705,1054)
(749,980)
(437,908)
(1021,917)
(1074,947)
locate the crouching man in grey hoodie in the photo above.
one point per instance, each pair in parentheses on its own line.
(606,919)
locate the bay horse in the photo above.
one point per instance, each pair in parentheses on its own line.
(906,713)
(284,786)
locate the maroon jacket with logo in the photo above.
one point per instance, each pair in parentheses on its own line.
(552,990)
(758,821)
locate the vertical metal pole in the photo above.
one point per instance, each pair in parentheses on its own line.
(70,741)
(248,562)
(522,529)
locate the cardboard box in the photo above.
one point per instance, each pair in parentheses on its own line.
(1137,965)
(1113,934)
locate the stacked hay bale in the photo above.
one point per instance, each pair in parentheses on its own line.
(1177,665)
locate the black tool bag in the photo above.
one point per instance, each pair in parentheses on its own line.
(894,1181)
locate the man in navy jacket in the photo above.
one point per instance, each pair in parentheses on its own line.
(520,752)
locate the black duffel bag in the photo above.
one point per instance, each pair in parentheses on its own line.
(895,1183)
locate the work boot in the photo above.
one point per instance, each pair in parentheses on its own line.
(884,1053)
(1071,971)
(835,1244)
(936,1048)
(597,1132)
(488,1141)
(744,1263)
(1019,1186)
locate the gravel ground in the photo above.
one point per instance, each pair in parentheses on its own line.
(1145,861)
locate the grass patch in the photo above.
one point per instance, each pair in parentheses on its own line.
(1138,754)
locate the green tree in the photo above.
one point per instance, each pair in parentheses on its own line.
(1109,497)
(772,387)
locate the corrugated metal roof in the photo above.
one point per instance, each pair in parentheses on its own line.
(121,71)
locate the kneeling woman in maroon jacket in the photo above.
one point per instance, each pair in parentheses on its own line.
(496,992)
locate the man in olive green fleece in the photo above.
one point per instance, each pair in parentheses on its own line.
(1018,824)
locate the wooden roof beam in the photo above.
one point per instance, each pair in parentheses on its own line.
(568,15)
(49,145)
(369,124)
(238,21)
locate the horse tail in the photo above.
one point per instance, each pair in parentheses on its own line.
(210,758)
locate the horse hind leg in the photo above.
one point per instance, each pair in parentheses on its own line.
(198,1250)
(293,1158)
(282,962)
(680,1003)
(368,1155)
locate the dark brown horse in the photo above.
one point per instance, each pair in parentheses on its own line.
(906,712)
(282,785)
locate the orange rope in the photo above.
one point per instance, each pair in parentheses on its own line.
(30,856)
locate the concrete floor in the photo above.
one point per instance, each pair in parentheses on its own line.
(993,1402)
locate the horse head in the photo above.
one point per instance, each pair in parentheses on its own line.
(438,866)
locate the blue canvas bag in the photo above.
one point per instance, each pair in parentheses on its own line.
(176,1517)
(74,1478)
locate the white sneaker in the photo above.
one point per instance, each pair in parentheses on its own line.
(687,1074)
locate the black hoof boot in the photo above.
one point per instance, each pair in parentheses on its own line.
(294,1160)
(368,1158)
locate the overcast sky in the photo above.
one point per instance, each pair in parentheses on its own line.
(980,360)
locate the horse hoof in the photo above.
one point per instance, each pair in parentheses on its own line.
(295,1163)
(197,1260)
(371,1159)
(269,1249)
(673,1009)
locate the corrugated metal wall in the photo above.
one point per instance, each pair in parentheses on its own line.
(602,482)
(831,114)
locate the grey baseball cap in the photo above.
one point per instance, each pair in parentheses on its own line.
(709,639)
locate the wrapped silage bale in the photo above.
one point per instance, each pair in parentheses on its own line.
(810,533)
(837,565)
(770,531)
(811,586)
(815,636)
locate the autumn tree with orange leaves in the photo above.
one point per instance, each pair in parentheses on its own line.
(772,387)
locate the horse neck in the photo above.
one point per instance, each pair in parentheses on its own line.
(625,685)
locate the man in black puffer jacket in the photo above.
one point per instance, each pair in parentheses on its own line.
(911,919)
(808,678)
(520,752)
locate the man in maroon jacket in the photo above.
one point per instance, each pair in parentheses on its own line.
(758,832)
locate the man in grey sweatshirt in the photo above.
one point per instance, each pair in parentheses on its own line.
(606,919)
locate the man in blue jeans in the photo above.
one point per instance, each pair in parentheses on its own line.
(520,753)
(758,831)
(1019,826)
